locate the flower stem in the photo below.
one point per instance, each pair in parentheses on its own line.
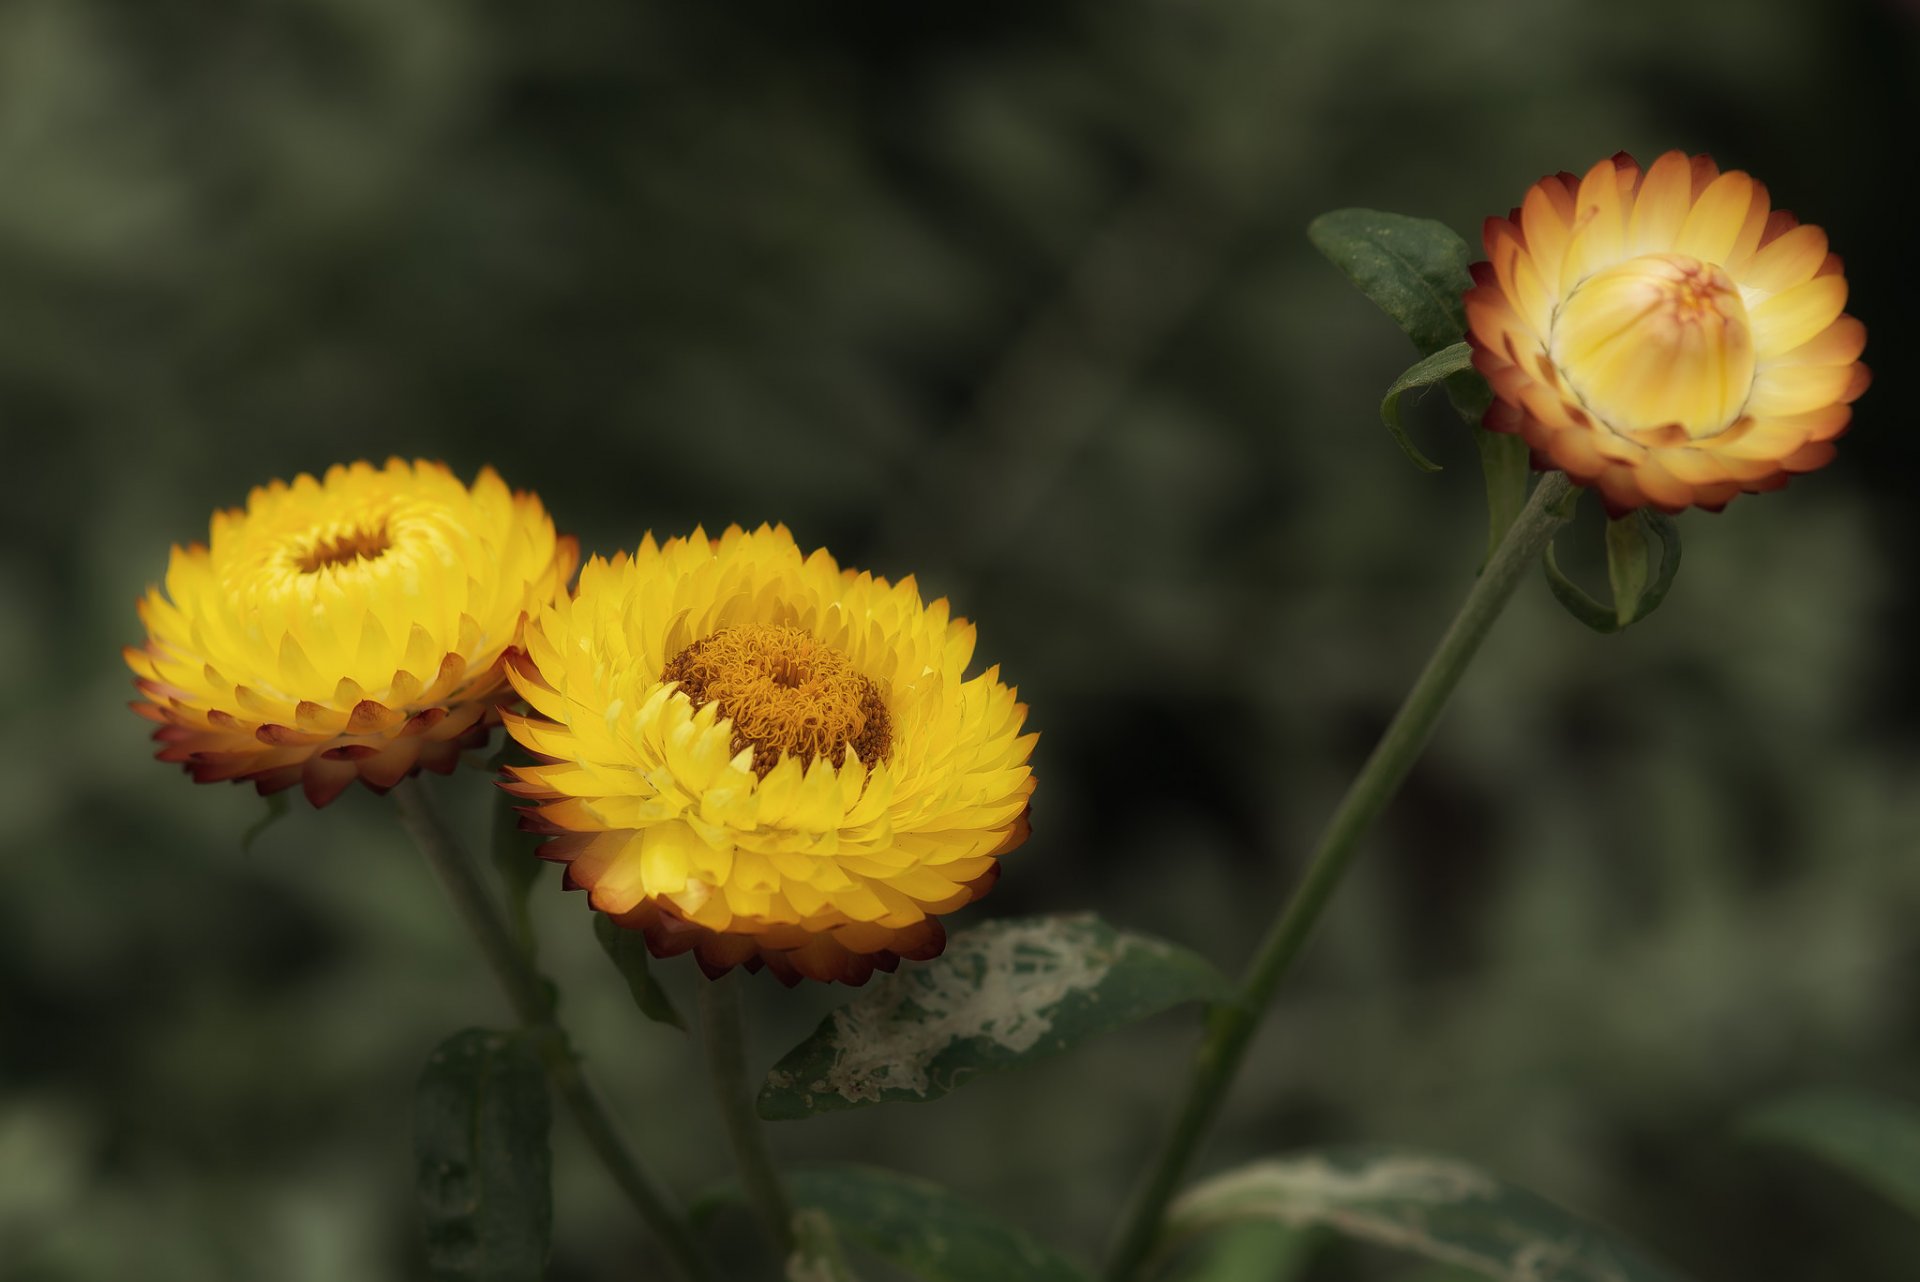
(725,1034)
(532,999)
(1230,1027)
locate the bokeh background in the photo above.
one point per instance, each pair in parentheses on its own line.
(1017,298)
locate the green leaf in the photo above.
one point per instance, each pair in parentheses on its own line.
(1415,269)
(1256,1251)
(816,1256)
(1626,565)
(1434,1207)
(924,1229)
(1428,371)
(1667,533)
(276,811)
(627,950)
(1628,560)
(484,1171)
(1875,1140)
(1505,464)
(1001,995)
(816,1252)
(1574,597)
(514,861)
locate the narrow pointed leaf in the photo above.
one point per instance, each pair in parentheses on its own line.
(924,1229)
(1505,465)
(1001,995)
(1627,565)
(276,811)
(1428,371)
(1874,1140)
(1667,534)
(1415,269)
(515,862)
(627,950)
(1434,1207)
(484,1171)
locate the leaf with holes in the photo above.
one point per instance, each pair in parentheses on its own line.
(1001,995)
(1877,1141)
(484,1170)
(1435,1207)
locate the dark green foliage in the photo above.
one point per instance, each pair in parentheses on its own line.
(627,950)
(925,1229)
(485,1174)
(1415,269)
(1873,1139)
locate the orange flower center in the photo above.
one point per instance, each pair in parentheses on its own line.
(343,547)
(1657,340)
(785,692)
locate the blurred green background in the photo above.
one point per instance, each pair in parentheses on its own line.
(1015,297)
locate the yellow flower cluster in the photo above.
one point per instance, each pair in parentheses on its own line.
(743,752)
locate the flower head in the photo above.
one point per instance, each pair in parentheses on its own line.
(1667,337)
(354,626)
(758,757)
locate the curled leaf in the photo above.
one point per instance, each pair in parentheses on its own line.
(1638,587)
(1424,373)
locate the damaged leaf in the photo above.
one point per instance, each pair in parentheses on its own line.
(1001,995)
(1440,1209)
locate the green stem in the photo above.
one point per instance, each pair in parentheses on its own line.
(1230,1028)
(532,999)
(725,1034)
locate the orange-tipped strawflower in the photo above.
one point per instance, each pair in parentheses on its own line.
(1666,337)
(758,757)
(351,627)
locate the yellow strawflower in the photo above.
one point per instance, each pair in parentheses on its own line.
(1666,337)
(758,757)
(354,626)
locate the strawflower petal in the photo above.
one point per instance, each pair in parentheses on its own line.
(351,626)
(755,756)
(1664,336)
